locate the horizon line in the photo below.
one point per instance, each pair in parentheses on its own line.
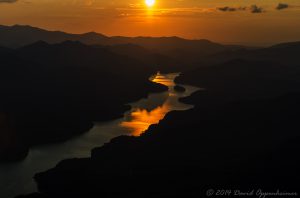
(246,44)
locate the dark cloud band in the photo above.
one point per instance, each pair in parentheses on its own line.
(256,9)
(282,6)
(253,9)
(8,1)
(227,9)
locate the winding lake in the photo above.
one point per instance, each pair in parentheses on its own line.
(16,178)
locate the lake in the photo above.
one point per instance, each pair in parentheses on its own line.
(17,178)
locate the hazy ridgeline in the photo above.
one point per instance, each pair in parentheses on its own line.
(242,133)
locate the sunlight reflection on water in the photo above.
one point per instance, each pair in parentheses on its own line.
(139,119)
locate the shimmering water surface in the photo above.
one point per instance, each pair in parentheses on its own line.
(17,179)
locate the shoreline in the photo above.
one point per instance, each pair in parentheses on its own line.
(99,131)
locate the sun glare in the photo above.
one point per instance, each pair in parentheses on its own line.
(150,3)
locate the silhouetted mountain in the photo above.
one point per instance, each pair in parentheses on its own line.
(171,44)
(4,49)
(179,88)
(161,50)
(285,53)
(17,36)
(288,45)
(158,61)
(51,92)
(243,145)
(240,79)
(242,134)
(77,54)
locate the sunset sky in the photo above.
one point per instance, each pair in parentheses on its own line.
(229,21)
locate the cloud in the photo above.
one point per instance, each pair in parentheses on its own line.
(231,9)
(8,1)
(253,9)
(282,6)
(227,9)
(256,9)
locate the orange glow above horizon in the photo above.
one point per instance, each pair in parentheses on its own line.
(184,18)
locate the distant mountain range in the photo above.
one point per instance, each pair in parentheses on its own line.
(173,51)
(19,35)
(285,53)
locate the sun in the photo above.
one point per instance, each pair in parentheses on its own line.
(150,3)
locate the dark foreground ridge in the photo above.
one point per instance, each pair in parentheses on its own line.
(245,145)
(243,139)
(50,93)
(179,88)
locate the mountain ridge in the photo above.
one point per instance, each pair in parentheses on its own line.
(87,38)
(63,84)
